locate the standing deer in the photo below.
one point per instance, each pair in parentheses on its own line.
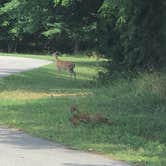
(65,65)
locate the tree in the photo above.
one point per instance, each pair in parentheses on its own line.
(77,20)
(24,17)
(130,33)
(136,36)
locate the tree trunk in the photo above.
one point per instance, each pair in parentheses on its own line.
(9,49)
(76,46)
(15,47)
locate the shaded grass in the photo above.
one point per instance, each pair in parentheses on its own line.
(137,109)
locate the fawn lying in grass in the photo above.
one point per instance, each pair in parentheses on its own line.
(65,65)
(78,117)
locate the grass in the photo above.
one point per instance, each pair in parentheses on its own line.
(39,101)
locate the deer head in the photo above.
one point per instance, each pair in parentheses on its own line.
(55,54)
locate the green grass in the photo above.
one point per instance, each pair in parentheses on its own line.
(37,102)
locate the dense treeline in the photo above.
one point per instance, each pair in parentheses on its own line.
(131,33)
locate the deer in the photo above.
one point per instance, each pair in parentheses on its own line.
(84,117)
(65,65)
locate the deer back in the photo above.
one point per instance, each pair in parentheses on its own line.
(65,65)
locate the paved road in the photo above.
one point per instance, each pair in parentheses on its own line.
(10,65)
(20,149)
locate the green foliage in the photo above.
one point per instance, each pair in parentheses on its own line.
(78,18)
(136,36)
(64,2)
(9,6)
(55,29)
(130,33)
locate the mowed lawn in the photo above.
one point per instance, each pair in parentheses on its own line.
(39,101)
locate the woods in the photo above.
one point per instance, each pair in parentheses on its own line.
(88,43)
(130,33)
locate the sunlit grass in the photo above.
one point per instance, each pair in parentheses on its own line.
(39,102)
(28,95)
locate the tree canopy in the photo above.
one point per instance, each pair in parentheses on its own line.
(130,33)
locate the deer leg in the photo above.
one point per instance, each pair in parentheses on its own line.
(72,72)
(58,68)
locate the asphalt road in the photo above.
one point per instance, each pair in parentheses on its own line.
(20,149)
(11,65)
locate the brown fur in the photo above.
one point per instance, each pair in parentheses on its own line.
(78,117)
(64,65)
(101,118)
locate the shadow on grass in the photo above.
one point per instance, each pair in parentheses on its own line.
(49,118)
(88,64)
(43,80)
